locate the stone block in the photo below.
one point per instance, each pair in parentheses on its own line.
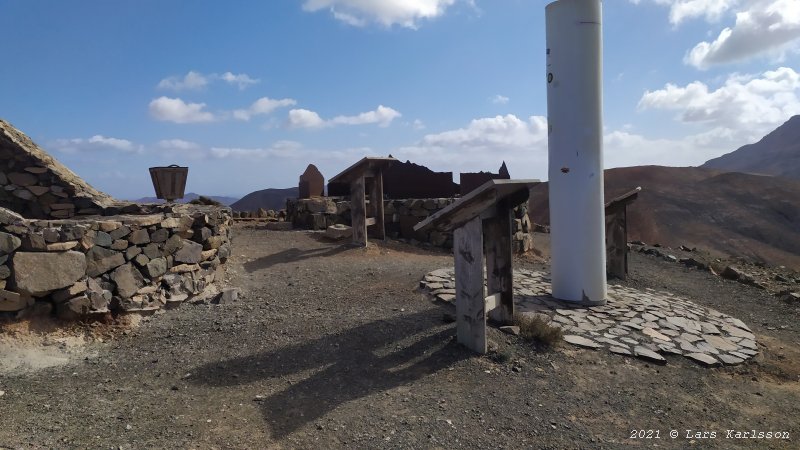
(12,301)
(9,243)
(120,245)
(159,236)
(63,295)
(156,267)
(23,179)
(139,237)
(128,280)
(100,260)
(189,253)
(74,309)
(40,273)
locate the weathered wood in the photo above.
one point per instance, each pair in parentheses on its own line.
(376,205)
(366,166)
(470,293)
(370,221)
(358,212)
(476,202)
(492,302)
(499,264)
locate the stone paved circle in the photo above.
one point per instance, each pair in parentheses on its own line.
(645,324)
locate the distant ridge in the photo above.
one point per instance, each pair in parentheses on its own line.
(778,153)
(227,201)
(266,198)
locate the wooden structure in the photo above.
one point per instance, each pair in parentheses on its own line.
(617,234)
(481,225)
(169,182)
(367,173)
(312,183)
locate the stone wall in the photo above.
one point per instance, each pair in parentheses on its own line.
(78,268)
(400,216)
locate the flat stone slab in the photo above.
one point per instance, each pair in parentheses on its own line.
(645,324)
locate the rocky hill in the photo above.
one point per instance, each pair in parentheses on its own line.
(266,199)
(778,153)
(731,214)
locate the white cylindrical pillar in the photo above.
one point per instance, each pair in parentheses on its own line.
(575,121)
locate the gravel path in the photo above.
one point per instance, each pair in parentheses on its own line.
(333,347)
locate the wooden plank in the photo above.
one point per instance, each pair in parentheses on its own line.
(370,221)
(360,168)
(476,202)
(358,212)
(625,198)
(470,293)
(492,302)
(616,242)
(376,199)
(499,265)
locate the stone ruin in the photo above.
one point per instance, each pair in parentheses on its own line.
(312,183)
(471,181)
(72,251)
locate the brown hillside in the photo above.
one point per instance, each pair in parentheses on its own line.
(734,214)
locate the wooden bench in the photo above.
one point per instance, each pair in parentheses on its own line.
(617,234)
(361,218)
(481,224)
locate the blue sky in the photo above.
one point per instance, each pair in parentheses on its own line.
(247,93)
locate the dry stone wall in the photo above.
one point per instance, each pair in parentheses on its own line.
(400,217)
(128,263)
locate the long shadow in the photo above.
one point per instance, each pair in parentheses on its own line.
(291,255)
(352,364)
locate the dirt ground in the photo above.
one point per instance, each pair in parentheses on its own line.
(332,347)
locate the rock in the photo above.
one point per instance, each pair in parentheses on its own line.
(183,268)
(22,179)
(63,295)
(120,245)
(38,190)
(5,272)
(203,234)
(108,225)
(655,334)
(9,243)
(103,239)
(720,343)
(139,237)
(100,260)
(8,217)
(649,355)
(74,309)
(40,273)
(12,301)
(51,235)
(581,341)
(128,280)
(141,260)
(159,236)
(23,194)
(791,297)
(730,360)
(156,267)
(98,297)
(213,243)
(620,351)
(339,231)
(189,253)
(227,295)
(120,232)
(224,252)
(704,359)
(173,244)
(510,329)
(208,254)
(152,251)
(132,252)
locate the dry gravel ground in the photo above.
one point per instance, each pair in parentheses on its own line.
(331,347)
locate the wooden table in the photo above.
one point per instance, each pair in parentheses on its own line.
(361,218)
(481,225)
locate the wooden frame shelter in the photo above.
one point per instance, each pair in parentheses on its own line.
(617,233)
(481,224)
(361,218)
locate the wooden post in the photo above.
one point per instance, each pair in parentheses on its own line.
(358,211)
(499,265)
(617,242)
(470,293)
(376,206)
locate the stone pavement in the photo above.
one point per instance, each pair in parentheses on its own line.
(644,324)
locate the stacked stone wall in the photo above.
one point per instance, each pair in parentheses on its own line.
(400,217)
(78,268)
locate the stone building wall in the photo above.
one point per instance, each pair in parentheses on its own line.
(78,268)
(400,217)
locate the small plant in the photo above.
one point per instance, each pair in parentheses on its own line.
(536,328)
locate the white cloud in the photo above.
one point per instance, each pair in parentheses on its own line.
(242,80)
(177,144)
(418,124)
(499,99)
(264,105)
(745,105)
(190,81)
(197,81)
(95,143)
(303,118)
(280,149)
(176,110)
(765,27)
(406,13)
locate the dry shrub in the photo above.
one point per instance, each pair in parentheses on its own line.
(537,328)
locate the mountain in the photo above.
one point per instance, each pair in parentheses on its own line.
(266,198)
(731,214)
(227,201)
(778,153)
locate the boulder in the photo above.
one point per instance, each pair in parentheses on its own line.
(100,260)
(128,280)
(339,232)
(74,309)
(40,273)
(189,253)
(9,243)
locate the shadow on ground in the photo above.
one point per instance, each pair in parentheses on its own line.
(346,366)
(292,255)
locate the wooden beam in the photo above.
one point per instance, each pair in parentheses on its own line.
(470,293)
(370,221)
(358,212)
(376,206)
(499,265)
